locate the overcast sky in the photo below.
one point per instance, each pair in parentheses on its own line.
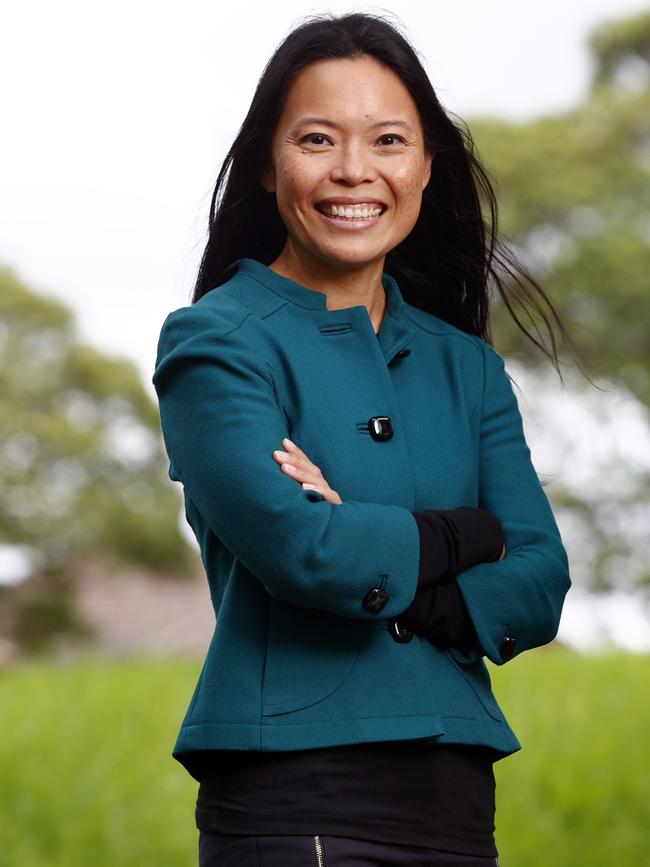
(117,117)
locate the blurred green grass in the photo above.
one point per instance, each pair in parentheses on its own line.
(87,775)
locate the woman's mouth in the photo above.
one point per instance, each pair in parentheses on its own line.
(351,216)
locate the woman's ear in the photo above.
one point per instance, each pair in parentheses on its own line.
(267,179)
(428,159)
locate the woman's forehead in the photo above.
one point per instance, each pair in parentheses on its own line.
(352,91)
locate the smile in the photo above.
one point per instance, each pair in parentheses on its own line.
(348,217)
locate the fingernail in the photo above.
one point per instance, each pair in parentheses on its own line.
(287,440)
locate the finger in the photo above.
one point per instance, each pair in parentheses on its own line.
(294,450)
(300,474)
(285,458)
(290,445)
(299,460)
(326,492)
(297,453)
(294,460)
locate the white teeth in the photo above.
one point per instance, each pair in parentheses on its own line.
(356,212)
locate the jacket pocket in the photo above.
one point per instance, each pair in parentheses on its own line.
(309,655)
(476,674)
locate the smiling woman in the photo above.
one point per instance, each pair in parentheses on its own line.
(355,470)
(336,240)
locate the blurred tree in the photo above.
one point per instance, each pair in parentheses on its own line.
(574,196)
(82,464)
(574,200)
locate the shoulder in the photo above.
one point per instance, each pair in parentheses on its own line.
(223,312)
(484,368)
(471,348)
(458,340)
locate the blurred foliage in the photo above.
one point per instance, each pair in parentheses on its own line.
(574,201)
(82,464)
(619,46)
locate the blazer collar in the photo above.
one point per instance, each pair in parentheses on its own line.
(311,298)
(394,333)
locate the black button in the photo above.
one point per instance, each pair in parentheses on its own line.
(507,646)
(400,634)
(380,427)
(403,353)
(375,600)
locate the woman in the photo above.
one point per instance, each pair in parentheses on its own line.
(355,471)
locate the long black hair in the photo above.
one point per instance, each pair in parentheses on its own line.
(452,256)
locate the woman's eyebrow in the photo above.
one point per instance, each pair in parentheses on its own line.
(323,121)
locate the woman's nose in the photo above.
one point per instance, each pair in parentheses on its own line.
(352,165)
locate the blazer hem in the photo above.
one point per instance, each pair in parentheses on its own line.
(276,735)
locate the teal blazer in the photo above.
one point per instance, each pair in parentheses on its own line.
(304,591)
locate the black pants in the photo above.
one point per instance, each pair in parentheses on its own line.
(303,850)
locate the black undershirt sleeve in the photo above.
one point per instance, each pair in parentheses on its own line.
(451,540)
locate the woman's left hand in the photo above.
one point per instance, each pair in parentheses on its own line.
(295,463)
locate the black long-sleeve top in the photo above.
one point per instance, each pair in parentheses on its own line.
(416,792)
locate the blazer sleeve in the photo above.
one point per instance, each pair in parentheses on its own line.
(519,598)
(221,422)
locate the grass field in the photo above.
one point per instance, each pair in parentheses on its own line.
(87,778)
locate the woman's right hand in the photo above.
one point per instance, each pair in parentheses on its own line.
(295,463)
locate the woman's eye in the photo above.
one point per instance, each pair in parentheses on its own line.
(313,135)
(317,135)
(392,135)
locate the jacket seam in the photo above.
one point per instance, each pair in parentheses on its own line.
(473,339)
(481,395)
(265,719)
(276,394)
(277,294)
(238,327)
(258,725)
(433,715)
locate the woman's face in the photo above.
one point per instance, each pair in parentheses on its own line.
(364,142)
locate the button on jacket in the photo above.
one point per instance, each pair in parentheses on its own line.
(418,416)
